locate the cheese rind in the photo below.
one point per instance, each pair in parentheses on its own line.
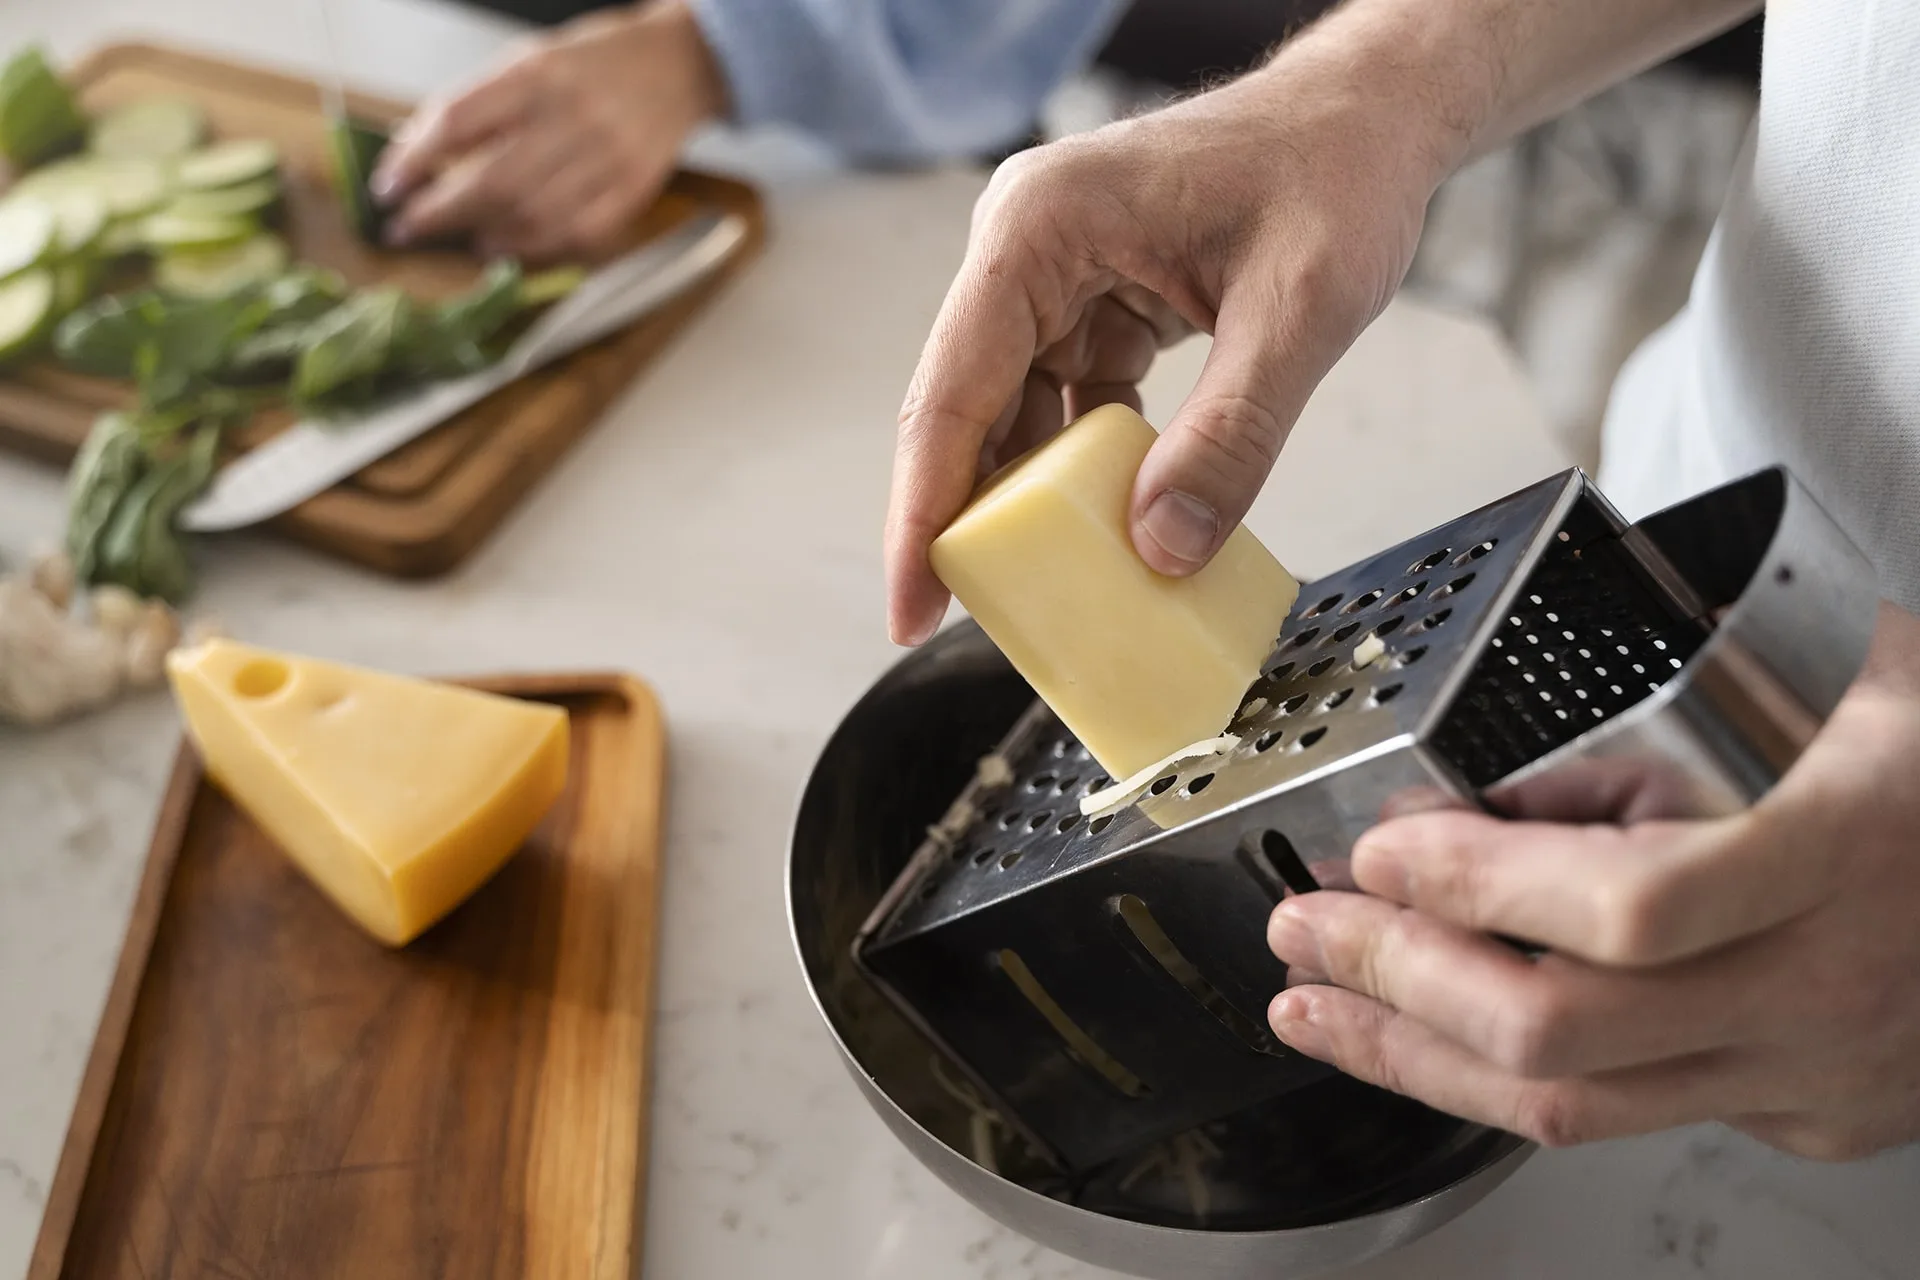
(397,797)
(1135,663)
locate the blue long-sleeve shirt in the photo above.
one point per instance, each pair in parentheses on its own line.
(901,80)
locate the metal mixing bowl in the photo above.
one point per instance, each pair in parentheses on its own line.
(1321,1178)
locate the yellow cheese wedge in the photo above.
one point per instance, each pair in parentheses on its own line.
(1136,664)
(398,797)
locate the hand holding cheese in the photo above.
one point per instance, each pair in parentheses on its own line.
(1137,664)
(397,797)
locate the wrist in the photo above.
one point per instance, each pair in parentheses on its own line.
(1417,78)
(670,27)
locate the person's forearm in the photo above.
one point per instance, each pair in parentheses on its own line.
(1482,71)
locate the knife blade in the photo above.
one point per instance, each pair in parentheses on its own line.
(311,456)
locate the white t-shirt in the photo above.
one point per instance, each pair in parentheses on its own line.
(1801,341)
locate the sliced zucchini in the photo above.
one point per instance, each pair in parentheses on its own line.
(72,283)
(152,128)
(227,164)
(78,219)
(356,147)
(126,186)
(122,238)
(165,232)
(27,231)
(226,202)
(26,312)
(38,116)
(207,273)
(551,285)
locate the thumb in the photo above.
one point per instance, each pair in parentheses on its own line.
(1204,472)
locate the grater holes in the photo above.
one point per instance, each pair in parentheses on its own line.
(1278,857)
(1305,638)
(1160,785)
(1292,705)
(984,856)
(1327,605)
(1321,667)
(1387,627)
(1335,699)
(1266,741)
(1408,657)
(1406,595)
(1429,562)
(1433,620)
(1067,823)
(1010,859)
(1310,737)
(1094,784)
(1009,819)
(1474,553)
(1100,824)
(1041,782)
(1280,672)
(1039,820)
(1066,785)
(1342,634)
(1366,601)
(1197,785)
(1061,747)
(1386,694)
(1455,587)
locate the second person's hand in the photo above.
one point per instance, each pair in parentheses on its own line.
(557,152)
(1279,213)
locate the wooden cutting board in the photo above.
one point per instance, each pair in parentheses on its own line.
(426,506)
(271,1094)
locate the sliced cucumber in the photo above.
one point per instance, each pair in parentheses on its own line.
(152,128)
(226,202)
(26,312)
(164,232)
(27,231)
(127,187)
(207,273)
(227,164)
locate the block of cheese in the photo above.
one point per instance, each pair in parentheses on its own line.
(1137,665)
(397,797)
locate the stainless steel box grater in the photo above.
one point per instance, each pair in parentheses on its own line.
(1105,982)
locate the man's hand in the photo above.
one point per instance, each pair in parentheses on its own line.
(1279,213)
(1763,969)
(556,153)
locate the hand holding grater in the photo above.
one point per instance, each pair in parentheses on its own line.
(1104,980)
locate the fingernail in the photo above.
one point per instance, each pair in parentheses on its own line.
(912,637)
(382,186)
(1290,1021)
(1292,940)
(1182,525)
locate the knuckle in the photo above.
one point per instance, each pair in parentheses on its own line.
(1554,1116)
(1630,917)
(1530,1033)
(1241,434)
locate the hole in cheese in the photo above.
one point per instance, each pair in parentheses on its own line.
(261,678)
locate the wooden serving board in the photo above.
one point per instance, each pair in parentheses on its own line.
(423,508)
(272,1094)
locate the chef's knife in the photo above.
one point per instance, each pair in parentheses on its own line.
(311,456)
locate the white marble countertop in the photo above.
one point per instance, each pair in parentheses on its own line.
(718,534)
